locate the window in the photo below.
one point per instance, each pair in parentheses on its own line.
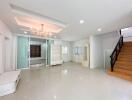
(77,51)
(64,50)
(35,51)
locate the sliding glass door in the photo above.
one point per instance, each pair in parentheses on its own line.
(22,52)
(33,52)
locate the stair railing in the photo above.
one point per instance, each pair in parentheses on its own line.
(116,52)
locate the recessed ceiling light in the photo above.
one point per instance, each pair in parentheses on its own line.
(81,21)
(55,97)
(25,32)
(65,72)
(99,29)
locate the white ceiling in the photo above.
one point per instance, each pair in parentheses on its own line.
(109,15)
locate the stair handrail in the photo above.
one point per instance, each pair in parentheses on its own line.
(116,52)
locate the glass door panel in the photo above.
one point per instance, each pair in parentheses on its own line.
(22,52)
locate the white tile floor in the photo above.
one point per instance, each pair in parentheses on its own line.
(70,82)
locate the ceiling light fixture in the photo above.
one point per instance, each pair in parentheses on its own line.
(41,32)
(81,21)
(99,29)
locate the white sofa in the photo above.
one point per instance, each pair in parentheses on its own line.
(8,82)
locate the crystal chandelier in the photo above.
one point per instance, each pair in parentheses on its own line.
(41,32)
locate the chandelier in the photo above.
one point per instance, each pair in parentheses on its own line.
(41,32)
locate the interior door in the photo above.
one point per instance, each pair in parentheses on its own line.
(22,52)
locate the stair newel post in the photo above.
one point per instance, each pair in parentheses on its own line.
(116,53)
(122,40)
(111,64)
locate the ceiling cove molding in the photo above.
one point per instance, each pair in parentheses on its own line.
(24,12)
(39,37)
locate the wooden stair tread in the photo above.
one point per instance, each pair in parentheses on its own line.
(124,56)
(124,61)
(126,47)
(126,50)
(124,53)
(127,60)
(127,43)
(122,70)
(123,65)
(120,75)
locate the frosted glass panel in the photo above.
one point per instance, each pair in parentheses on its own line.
(22,52)
(85,53)
(49,42)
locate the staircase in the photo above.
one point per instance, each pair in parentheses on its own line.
(123,65)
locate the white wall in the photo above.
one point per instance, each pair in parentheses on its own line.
(96,54)
(99,44)
(14,52)
(127,34)
(68,57)
(81,44)
(6,49)
(109,42)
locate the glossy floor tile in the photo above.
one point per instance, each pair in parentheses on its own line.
(70,82)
